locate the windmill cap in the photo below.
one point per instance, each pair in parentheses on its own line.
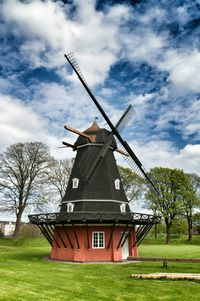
(93,128)
(97,135)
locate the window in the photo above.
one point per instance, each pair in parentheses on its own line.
(117,184)
(70,207)
(75,182)
(123,208)
(98,240)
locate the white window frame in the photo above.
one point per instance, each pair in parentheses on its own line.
(123,208)
(117,184)
(96,236)
(75,182)
(70,207)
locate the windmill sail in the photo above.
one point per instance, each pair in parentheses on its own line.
(125,119)
(95,161)
(88,163)
(72,61)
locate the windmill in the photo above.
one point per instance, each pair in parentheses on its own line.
(95,222)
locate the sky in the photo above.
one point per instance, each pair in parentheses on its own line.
(145,53)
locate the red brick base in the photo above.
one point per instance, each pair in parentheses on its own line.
(84,252)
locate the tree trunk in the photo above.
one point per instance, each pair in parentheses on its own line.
(17,225)
(189,221)
(168,230)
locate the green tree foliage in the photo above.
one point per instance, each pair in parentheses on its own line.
(173,185)
(179,226)
(191,200)
(196,222)
(132,183)
(23,175)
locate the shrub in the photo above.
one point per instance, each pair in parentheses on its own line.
(29,230)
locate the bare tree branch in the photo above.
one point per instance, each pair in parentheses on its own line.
(23,177)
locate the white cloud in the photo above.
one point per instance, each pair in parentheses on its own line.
(185,75)
(62,104)
(4,84)
(19,123)
(192,128)
(43,117)
(182,14)
(180,115)
(97,39)
(50,32)
(164,154)
(190,150)
(143,44)
(138,100)
(189,158)
(39,19)
(183,68)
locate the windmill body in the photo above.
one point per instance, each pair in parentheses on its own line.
(95,222)
(105,192)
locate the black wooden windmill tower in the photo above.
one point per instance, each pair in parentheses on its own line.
(95,222)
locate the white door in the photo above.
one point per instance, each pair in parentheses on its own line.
(125,250)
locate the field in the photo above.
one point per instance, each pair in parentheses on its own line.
(25,275)
(179,248)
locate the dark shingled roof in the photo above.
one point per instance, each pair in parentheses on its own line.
(102,187)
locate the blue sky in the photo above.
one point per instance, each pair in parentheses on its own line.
(144,53)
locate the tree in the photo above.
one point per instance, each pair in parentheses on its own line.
(132,183)
(59,174)
(172,185)
(179,225)
(191,200)
(196,222)
(23,174)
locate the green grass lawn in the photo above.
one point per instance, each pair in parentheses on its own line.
(175,251)
(25,275)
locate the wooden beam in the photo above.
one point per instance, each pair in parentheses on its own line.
(68,145)
(126,236)
(46,235)
(60,236)
(122,236)
(111,235)
(141,234)
(139,229)
(121,152)
(53,235)
(75,131)
(76,237)
(142,231)
(67,234)
(48,232)
(148,228)
(88,238)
